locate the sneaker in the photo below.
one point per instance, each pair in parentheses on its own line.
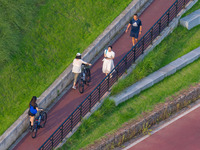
(74,87)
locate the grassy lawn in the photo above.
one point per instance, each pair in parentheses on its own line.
(16,20)
(39,39)
(109,118)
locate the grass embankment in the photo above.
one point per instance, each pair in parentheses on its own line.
(39,39)
(110,118)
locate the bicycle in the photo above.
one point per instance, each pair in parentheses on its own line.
(85,78)
(39,122)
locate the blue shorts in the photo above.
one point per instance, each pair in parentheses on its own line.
(135,35)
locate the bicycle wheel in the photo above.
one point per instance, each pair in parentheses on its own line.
(43,119)
(34,130)
(88,76)
(81,86)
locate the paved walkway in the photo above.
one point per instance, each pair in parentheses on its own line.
(182,133)
(72,99)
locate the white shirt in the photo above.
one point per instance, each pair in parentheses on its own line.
(77,65)
(109,54)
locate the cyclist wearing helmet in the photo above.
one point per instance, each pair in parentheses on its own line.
(33,108)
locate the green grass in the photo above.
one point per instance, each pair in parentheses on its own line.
(16,17)
(16,20)
(177,44)
(39,39)
(110,118)
(195,7)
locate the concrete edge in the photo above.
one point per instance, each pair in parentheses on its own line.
(188,21)
(167,70)
(65,79)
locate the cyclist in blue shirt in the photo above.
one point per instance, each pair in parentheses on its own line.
(33,108)
(136,28)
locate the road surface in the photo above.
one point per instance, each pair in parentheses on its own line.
(181,133)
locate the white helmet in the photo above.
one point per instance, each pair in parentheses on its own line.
(78,54)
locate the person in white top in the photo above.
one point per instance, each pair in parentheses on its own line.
(76,69)
(108,63)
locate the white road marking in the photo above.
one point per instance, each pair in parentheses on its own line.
(163,126)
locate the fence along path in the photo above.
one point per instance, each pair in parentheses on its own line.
(73,105)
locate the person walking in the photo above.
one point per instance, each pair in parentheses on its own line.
(108,63)
(33,109)
(76,69)
(136,28)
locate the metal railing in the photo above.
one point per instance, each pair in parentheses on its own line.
(86,106)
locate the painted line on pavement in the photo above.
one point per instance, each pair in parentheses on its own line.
(163,126)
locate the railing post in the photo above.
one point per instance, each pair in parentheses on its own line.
(125,62)
(176,7)
(168,18)
(117,70)
(134,54)
(52,142)
(159,23)
(90,106)
(61,129)
(99,91)
(71,122)
(151,35)
(183,3)
(142,45)
(80,109)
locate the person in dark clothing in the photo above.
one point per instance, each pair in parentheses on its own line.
(33,108)
(136,28)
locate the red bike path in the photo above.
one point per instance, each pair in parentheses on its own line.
(71,99)
(183,134)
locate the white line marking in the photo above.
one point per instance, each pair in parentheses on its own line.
(163,126)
